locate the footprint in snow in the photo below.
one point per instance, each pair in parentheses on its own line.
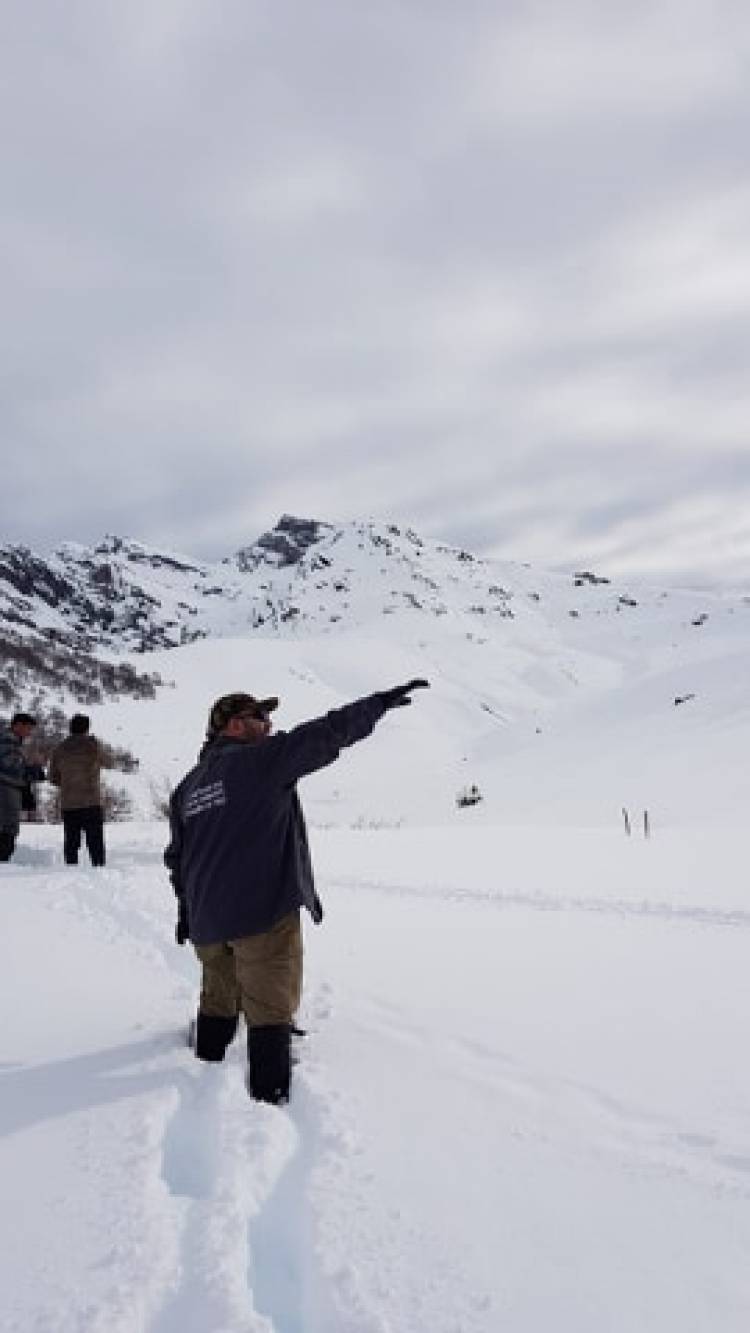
(286,1271)
(190,1152)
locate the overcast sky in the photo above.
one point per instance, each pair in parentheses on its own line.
(475,265)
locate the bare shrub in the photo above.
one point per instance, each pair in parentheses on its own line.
(161,793)
(116,804)
(45,663)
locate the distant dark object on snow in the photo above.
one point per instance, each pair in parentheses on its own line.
(682,699)
(469,796)
(585,576)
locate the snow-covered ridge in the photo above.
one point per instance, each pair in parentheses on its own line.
(536,677)
(306,576)
(124,595)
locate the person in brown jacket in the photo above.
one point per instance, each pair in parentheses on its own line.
(76,768)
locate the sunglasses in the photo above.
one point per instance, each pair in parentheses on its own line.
(254,714)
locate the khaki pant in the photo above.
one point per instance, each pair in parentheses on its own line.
(258,974)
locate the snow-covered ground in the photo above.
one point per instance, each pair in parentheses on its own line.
(524,1101)
(523,1104)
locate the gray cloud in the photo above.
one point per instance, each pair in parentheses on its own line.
(483,270)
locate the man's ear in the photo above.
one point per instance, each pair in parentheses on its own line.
(234,728)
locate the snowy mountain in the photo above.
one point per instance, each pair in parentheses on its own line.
(124,596)
(535,675)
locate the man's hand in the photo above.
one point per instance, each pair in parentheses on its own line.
(399,697)
(182,929)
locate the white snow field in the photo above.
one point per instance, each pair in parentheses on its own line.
(523,1105)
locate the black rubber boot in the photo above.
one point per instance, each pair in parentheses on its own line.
(213,1035)
(269,1054)
(7,843)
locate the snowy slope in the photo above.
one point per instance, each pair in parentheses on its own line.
(555,693)
(537,677)
(550,729)
(522,1104)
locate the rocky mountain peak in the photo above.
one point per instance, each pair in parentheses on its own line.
(285,544)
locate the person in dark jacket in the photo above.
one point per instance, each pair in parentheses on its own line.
(240,867)
(16,775)
(76,769)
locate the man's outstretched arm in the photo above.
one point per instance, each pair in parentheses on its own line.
(319,742)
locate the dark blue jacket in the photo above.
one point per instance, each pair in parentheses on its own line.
(15,773)
(238,853)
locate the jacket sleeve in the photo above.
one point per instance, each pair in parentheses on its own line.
(11,765)
(173,850)
(317,743)
(54,769)
(106,756)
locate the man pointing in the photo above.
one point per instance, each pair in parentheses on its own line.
(241,870)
